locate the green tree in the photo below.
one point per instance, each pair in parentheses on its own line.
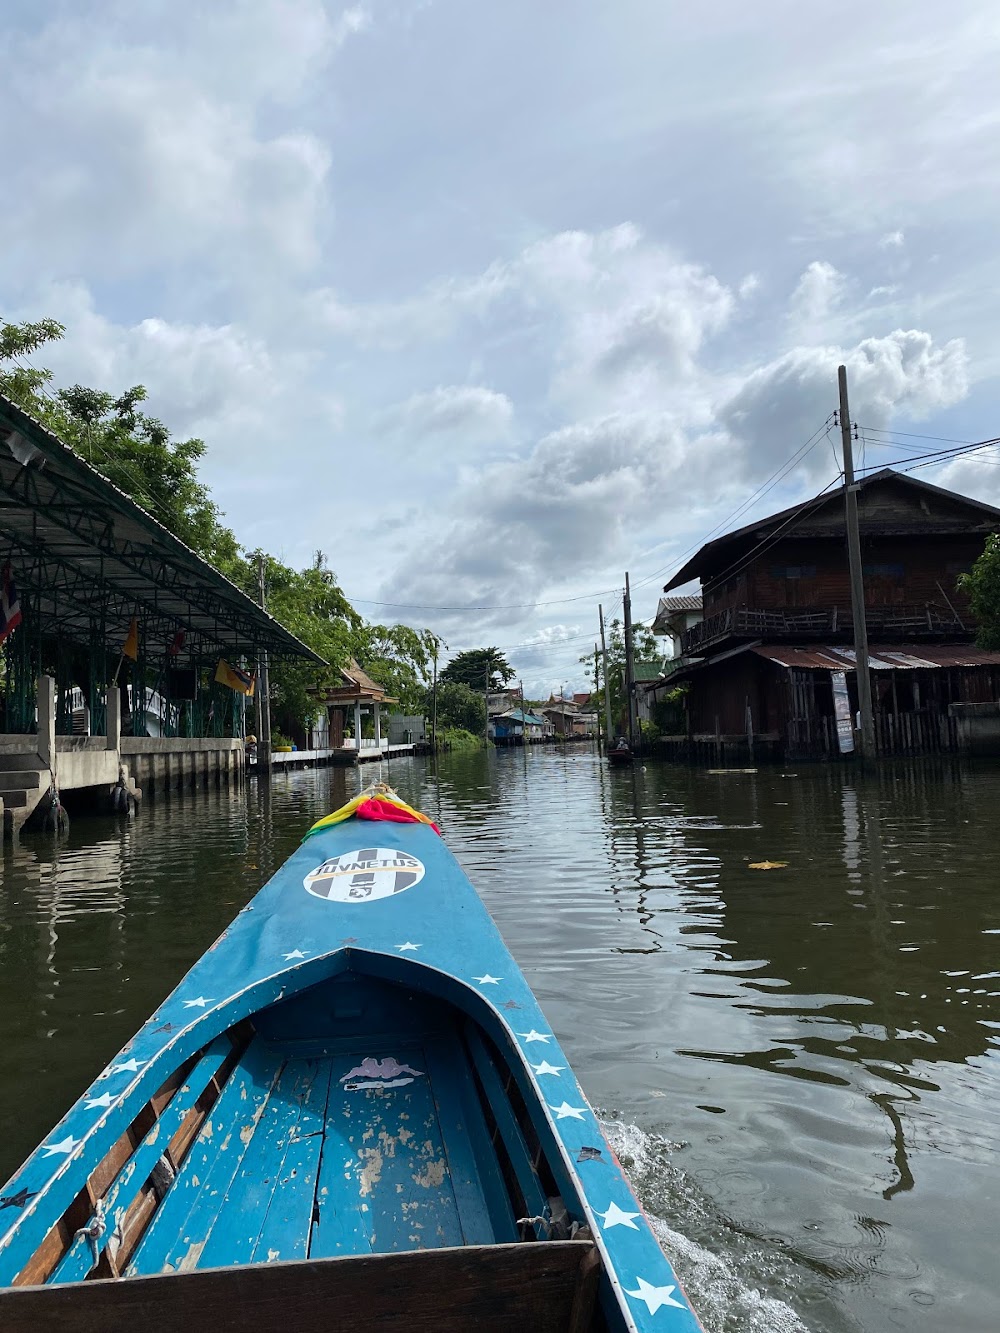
(982,587)
(476,666)
(459,706)
(133,450)
(399,658)
(310,603)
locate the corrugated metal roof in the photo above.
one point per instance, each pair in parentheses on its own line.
(687,602)
(883,657)
(645,671)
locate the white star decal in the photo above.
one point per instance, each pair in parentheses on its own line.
(546,1068)
(296,953)
(487,980)
(67,1146)
(104,1101)
(534,1036)
(408,947)
(126,1067)
(197,1004)
(617,1217)
(566,1111)
(654,1296)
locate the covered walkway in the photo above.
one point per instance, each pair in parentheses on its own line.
(85,569)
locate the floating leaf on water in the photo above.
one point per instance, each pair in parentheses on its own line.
(767,865)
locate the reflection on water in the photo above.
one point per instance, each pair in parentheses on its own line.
(800,1063)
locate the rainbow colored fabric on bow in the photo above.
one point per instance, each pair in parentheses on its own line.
(376,804)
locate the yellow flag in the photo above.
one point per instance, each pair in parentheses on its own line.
(130,648)
(235,678)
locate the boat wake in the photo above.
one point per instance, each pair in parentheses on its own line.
(728,1292)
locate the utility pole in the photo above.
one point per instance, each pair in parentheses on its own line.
(629,666)
(263,692)
(607,689)
(524,720)
(486,702)
(857,579)
(597,691)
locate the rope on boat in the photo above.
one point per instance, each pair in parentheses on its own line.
(524,1222)
(94,1230)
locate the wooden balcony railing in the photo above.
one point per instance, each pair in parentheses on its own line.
(884,622)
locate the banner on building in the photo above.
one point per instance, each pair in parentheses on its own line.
(842,712)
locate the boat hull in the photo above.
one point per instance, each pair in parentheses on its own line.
(619,758)
(357,1068)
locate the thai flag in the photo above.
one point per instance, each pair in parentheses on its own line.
(10,607)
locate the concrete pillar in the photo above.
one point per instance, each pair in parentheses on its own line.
(47,722)
(113,702)
(357,725)
(378,724)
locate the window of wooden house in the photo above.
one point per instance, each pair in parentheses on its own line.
(798,588)
(884,582)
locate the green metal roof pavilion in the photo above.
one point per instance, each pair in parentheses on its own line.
(84,555)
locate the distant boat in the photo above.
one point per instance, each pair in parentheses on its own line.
(620,754)
(351,1113)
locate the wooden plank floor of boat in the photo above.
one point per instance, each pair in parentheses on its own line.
(303,1157)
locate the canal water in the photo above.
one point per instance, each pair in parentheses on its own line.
(797,1065)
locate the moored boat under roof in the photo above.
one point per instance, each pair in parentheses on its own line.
(351,1112)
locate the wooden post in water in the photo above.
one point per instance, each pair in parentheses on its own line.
(263,691)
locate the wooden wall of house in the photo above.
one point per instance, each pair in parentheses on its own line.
(813,572)
(719,694)
(798,705)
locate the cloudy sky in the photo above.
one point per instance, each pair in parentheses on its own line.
(492,302)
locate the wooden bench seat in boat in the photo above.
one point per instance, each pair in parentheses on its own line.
(291,1164)
(273,1150)
(541,1287)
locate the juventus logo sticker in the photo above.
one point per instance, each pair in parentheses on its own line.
(364,875)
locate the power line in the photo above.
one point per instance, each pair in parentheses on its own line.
(763,489)
(508,606)
(767,542)
(913,435)
(944,455)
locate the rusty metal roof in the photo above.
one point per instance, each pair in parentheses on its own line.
(883,657)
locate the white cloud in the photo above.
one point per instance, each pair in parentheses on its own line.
(259,209)
(149,146)
(470,410)
(883,289)
(202,378)
(781,404)
(815,301)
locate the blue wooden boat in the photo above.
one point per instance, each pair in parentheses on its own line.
(351,1113)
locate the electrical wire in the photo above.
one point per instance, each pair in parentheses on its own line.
(767,542)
